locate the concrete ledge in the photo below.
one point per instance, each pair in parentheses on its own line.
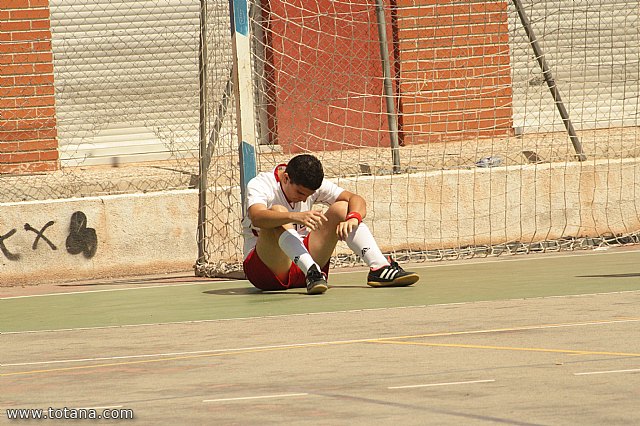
(529,203)
(111,236)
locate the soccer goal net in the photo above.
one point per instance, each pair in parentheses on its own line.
(472,127)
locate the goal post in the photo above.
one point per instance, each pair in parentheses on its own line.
(485,163)
(243,89)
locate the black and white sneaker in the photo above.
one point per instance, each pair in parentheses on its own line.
(391,276)
(316,281)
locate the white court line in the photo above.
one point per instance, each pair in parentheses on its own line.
(245,398)
(441,384)
(153,324)
(326,343)
(107,290)
(607,372)
(415,265)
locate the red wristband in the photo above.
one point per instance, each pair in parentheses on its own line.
(354,215)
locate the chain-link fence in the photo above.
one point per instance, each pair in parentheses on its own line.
(125,76)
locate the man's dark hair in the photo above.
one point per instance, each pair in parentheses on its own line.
(305,170)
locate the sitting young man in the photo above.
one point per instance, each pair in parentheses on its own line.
(288,245)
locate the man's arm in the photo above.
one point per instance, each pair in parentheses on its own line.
(264,218)
(356,203)
(357,206)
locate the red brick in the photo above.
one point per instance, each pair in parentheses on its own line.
(9,146)
(19,113)
(426,69)
(10,26)
(46,112)
(6,82)
(466,117)
(7,103)
(34,167)
(16,47)
(412,21)
(33,58)
(47,134)
(422,86)
(414,29)
(41,46)
(462,52)
(40,24)
(35,124)
(8,124)
(16,69)
(39,145)
(28,135)
(43,68)
(23,157)
(454,105)
(473,92)
(423,134)
(16,136)
(48,155)
(425,36)
(29,14)
(38,3)
(18,91)
(472,40)
(415,56)
(44,90)
(14,4)
(458,9)
(34,80)
(39,35)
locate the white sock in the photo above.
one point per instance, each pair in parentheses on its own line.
(361,241)
(294,248)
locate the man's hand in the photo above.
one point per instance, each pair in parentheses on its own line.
(344,228)
(312,219)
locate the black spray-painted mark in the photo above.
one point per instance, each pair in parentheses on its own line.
(81,239)
(3,248)
(40,234)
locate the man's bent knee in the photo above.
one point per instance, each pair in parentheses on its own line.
(338,211)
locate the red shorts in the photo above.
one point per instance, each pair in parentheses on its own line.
(263,278)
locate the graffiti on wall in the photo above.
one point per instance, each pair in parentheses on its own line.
(5,251)
(81,239)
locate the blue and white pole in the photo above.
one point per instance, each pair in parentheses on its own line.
(245,108)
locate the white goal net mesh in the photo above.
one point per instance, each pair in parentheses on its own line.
(486,160)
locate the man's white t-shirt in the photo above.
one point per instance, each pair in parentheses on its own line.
(265,189)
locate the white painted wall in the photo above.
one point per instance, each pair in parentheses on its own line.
(136,234)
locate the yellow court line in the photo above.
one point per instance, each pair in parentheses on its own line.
(510,348)
(507,329)
(390,340)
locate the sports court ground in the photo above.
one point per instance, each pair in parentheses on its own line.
(540,339)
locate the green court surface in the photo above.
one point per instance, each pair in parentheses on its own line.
(441,283)
(522,340)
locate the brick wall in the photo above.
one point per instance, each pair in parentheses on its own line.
(325,81)
(455,69)
(28,137)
